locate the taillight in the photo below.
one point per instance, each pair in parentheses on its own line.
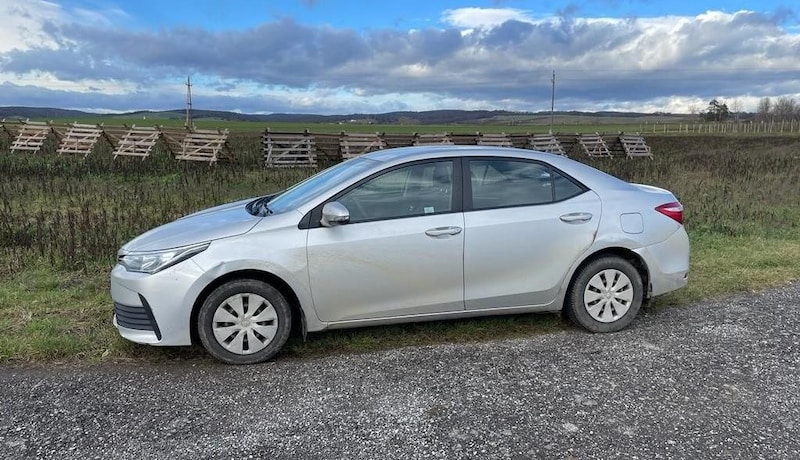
(672,210)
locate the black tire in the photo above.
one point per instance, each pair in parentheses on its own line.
(605,295)
(252,333)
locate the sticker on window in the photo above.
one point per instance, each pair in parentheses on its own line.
(429,210)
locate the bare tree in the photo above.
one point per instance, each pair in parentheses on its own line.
(764,109)
(784,108)
(736,108)
(694,110)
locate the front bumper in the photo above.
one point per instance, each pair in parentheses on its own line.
(156,309)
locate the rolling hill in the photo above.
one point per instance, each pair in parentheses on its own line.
(432,117)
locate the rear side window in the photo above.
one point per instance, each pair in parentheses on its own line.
(500,183)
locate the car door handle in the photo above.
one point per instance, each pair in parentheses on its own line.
(576,217)
(442,231)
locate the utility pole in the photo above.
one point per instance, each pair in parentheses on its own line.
(189,101)
(552,101)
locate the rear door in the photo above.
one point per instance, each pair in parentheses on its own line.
(525,224)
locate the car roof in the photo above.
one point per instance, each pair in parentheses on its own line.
(591,177)
(428,151)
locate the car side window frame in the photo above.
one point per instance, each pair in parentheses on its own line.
(552,170)
(313,217)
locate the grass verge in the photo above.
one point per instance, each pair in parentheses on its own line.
(46,315)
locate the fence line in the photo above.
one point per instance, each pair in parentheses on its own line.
(732,127)
(13,137)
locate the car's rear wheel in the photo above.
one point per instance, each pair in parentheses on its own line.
(605,295)
(244,322)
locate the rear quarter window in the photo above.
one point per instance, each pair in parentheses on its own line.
(565,188)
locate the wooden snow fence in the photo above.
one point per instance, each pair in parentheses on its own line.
(328,150)
(137,142)
(80,139)
(634,145)
(432,139)
(210,145)
(593,145)
(352,145)
(10,128)
(545,143)
(495,140)
(288,150)
(31,136)
(394,140)
(8,131)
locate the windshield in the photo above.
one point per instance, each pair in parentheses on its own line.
(319,184)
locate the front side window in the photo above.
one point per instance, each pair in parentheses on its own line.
(414,190)
(499,183)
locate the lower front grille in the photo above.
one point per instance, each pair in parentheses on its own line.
(136,317)
(132,317)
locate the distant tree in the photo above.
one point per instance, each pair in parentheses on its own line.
(764,109)
(785,108)
(736,108)
(717,111)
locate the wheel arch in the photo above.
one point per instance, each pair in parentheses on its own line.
(623,253)
(299,321)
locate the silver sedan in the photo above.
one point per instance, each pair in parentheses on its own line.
(399,235)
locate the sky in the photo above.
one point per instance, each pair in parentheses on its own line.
(348,56)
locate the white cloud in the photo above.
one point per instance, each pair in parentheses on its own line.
(49,80)
(474,18)
(106,18)
(25,24)
(483,58)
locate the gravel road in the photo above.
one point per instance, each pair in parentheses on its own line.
(712,380)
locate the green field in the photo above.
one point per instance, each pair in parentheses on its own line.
(564,124)
(62,220)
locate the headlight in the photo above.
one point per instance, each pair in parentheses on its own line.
(153,262)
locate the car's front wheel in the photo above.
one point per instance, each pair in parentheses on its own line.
(244,322)
(605,295)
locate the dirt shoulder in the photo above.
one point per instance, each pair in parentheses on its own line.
(716,379)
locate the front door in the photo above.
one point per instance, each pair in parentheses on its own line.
(400,254)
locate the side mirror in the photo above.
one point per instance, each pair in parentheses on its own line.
(333,214)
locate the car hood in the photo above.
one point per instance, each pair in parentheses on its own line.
(210,224)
